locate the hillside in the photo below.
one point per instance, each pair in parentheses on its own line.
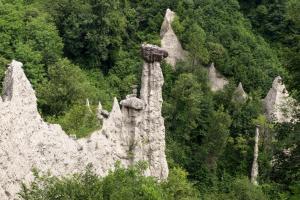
(231,63)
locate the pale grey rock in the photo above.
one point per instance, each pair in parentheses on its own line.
(154,143)
(216,80)
(279,106)
(87,103)
(129,135)
(254,169)
(239,95)
(132,101)
(169,40)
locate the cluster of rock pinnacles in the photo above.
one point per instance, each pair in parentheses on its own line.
(276,101)
(133,131)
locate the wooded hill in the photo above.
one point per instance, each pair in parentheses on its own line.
(75,50)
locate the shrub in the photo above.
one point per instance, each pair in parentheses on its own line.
(120,184)
(79,121)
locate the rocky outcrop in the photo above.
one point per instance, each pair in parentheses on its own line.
(239,95)
(169,40)
(135,131)
(151,94)
(216,80)
(279,106)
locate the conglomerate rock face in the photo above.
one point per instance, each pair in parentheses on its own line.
(129,134)
(279,106)
(169,40)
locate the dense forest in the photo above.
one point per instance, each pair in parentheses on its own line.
(75,50)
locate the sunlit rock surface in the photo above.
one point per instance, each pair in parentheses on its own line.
(129,134)
(169,40)
(279,106)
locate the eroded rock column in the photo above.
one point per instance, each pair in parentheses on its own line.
(254,170)
(153,123)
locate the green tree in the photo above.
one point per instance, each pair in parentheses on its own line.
(242,189)
(79,121)
(196,44)
(212,148)
(177,187)
(27,35)
(67,85)
(91,30)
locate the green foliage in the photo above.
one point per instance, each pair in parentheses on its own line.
(196,45)
(239,189)
(218,127)
(292,11)
(67,86)
(295,191)
(246,56)
(3,63)
(177,186)
(124,73)
(242,189)
(92,31)
(130,184)
(125,184)
(278,22)
(80,186)
(79,121)
(27,35)
(286,166)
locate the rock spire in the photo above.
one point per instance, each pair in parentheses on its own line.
(216,80)
(239,95)
(279,106)
(169,40)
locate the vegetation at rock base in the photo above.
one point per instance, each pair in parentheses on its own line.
(75,50)
(125,184)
